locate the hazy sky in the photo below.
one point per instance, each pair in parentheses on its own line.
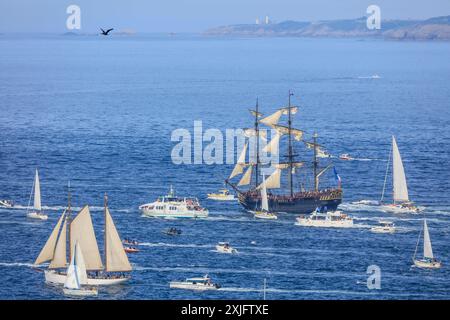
(196,15)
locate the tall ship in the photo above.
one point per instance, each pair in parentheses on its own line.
(79,230)
(301,192)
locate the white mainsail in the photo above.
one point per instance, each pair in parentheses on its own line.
(246,178)
(398,175)
(76,272)
(427,250)
(273,146)
(37,193)
(48,250)
(264,201)
(60,257)
(82,231)
(116,258)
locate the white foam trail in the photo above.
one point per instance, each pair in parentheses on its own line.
(16,264)
(163,244)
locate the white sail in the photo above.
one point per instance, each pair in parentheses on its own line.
(398,173)
(264,201)
(60,256)
(76,272)
(82,231)
(273,145)
(273,181)
(48,250)
(272,119)
(239,167)
(116,258)
(246,178)
(37,192)
(427,250)
(243,154)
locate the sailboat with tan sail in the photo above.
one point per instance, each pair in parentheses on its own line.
(80,230)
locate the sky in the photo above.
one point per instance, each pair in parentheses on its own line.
(197,15)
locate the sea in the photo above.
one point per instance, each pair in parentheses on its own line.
(100,112)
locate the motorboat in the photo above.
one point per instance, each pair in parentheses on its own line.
(345,156)
(130,242)
(224,247)
(384,227)
(172,232)
(131,249)
(222,195)
(199,284)
(36,212)
(428,261)
(171,206)
(329,219)
(6,203)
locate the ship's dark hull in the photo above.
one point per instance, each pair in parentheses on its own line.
(302,203)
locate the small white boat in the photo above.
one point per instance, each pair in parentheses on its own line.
(345,156)
(428,260)
(224,247)
(264,213)
(223,195)
(36,211)
(401,202)
(384,227)
(199,284)
(330,219)
(76,274)
(6,203)
(171,206)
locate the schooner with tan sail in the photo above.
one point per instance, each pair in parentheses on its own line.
(297,199)
(79,229)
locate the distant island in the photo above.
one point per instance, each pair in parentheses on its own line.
(437,28)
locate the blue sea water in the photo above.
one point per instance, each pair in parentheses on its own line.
(99,111)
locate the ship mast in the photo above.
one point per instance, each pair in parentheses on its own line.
(69,216)
(316,182)
(290,154)
(257,143)
(105,201)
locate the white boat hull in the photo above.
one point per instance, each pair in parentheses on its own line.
(58,278)
(169,215)
(6,204)
(382,230)
(222,198)
(191,286)
(394,208)
(80,292)
(36,215)
(267,216)
(226,250)
(427,264)
(304,222)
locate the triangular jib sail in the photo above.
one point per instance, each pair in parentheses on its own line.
(48,250)
(116,258)
(265,202)
(60,257)
(400,189)
(76,273)
(427,250)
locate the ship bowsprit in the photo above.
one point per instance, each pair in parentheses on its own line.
(299,203)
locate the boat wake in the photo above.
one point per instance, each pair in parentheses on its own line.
(16,264)
(163,244)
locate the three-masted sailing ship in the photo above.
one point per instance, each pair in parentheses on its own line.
(297,199)
(79,229)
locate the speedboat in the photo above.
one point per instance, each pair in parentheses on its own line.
(171,206)
(131,249)
(130,242)
(224,247)
(172,232)
(384,227)
(330,219)
(200,284)
(345,156)
(6,203)
(428,261)
(223,195)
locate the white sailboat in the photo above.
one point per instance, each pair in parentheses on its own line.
(400,196)
(264,213)
(36,211)
(81,230)
(428,260)
(76,274)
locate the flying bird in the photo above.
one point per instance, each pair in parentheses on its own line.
(105,33)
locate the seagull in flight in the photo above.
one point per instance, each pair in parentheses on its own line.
(105,33)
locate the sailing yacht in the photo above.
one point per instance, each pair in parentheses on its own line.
(264,213)
(80,229)
(76,274)
(428,260)
(298,173)
(36,211)
(401,202)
